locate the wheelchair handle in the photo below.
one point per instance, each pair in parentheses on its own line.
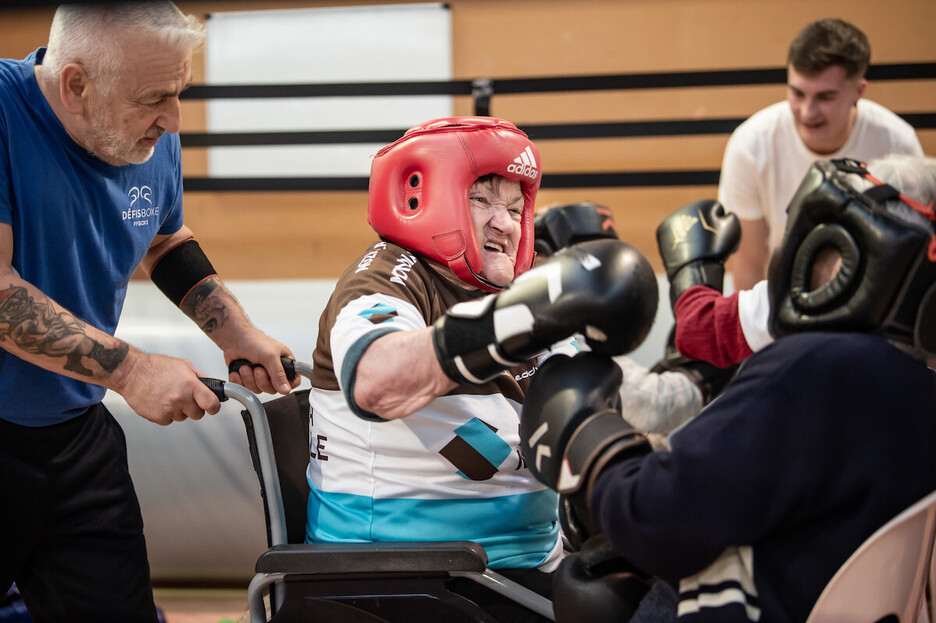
(224,390)
(216,386)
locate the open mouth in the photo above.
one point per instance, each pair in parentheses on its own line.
(494,247)
(814,125)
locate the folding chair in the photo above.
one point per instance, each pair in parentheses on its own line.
(350,582)
(885,579)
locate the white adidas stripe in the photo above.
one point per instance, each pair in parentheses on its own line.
(526,157)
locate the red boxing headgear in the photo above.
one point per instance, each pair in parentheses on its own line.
(418,196)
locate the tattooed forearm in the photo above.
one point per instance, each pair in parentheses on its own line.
(36,327)
(209,305)
(109,358)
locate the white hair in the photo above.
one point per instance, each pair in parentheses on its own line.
(91,35)
(914,177)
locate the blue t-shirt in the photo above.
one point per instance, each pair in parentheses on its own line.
(80,228)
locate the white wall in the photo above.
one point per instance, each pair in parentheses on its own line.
(389,43)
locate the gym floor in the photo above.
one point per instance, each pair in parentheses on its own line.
(191,605)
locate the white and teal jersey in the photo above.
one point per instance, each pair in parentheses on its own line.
(450,471)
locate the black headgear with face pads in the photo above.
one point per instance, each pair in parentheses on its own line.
(565,225)
(887,280)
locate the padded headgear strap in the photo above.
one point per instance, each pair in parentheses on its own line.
(887,280)
(418,196)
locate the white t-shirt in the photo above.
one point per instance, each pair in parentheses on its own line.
(754,315)
(765,159)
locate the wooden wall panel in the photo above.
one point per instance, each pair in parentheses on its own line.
(280,235)
(315,235)
(274,235)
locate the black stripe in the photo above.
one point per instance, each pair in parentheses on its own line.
(920,120)
(902,71)
(641,81)
(675,127)
(672,127)
(714,589)
(329,137)
(350,89)
(553,180)
(243,184)
(656,80)
(630,179)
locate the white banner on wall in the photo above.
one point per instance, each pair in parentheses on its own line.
(386,43)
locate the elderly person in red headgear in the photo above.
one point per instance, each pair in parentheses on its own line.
(430,340)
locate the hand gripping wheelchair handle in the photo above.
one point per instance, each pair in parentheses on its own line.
(289,366)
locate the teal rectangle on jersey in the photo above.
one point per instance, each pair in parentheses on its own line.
(480,437)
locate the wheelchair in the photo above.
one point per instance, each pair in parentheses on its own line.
(351,582)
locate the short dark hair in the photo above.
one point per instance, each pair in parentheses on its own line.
(829,42)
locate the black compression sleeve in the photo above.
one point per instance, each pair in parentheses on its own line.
(180,269)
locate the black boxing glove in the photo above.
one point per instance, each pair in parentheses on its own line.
(599,581)
(603,289)
(709,378)
(571,428)
(562,226)
(574,529)
(694,242)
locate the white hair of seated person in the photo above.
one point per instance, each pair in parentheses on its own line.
(656,403)
(914,177)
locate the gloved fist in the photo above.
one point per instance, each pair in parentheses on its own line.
(562,226)
(709,378)
(603,289)
(571,428)
(600,581)
(694,242)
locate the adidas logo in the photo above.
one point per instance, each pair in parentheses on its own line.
(680,225)
(524,164)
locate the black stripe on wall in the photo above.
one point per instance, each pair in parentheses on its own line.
(728,77)
(553,180)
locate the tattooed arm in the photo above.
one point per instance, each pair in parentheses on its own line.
(37,329)
(216,311)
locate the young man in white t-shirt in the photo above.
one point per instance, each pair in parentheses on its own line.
(823,117)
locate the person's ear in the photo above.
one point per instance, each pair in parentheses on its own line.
(74,88)
(862,84)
